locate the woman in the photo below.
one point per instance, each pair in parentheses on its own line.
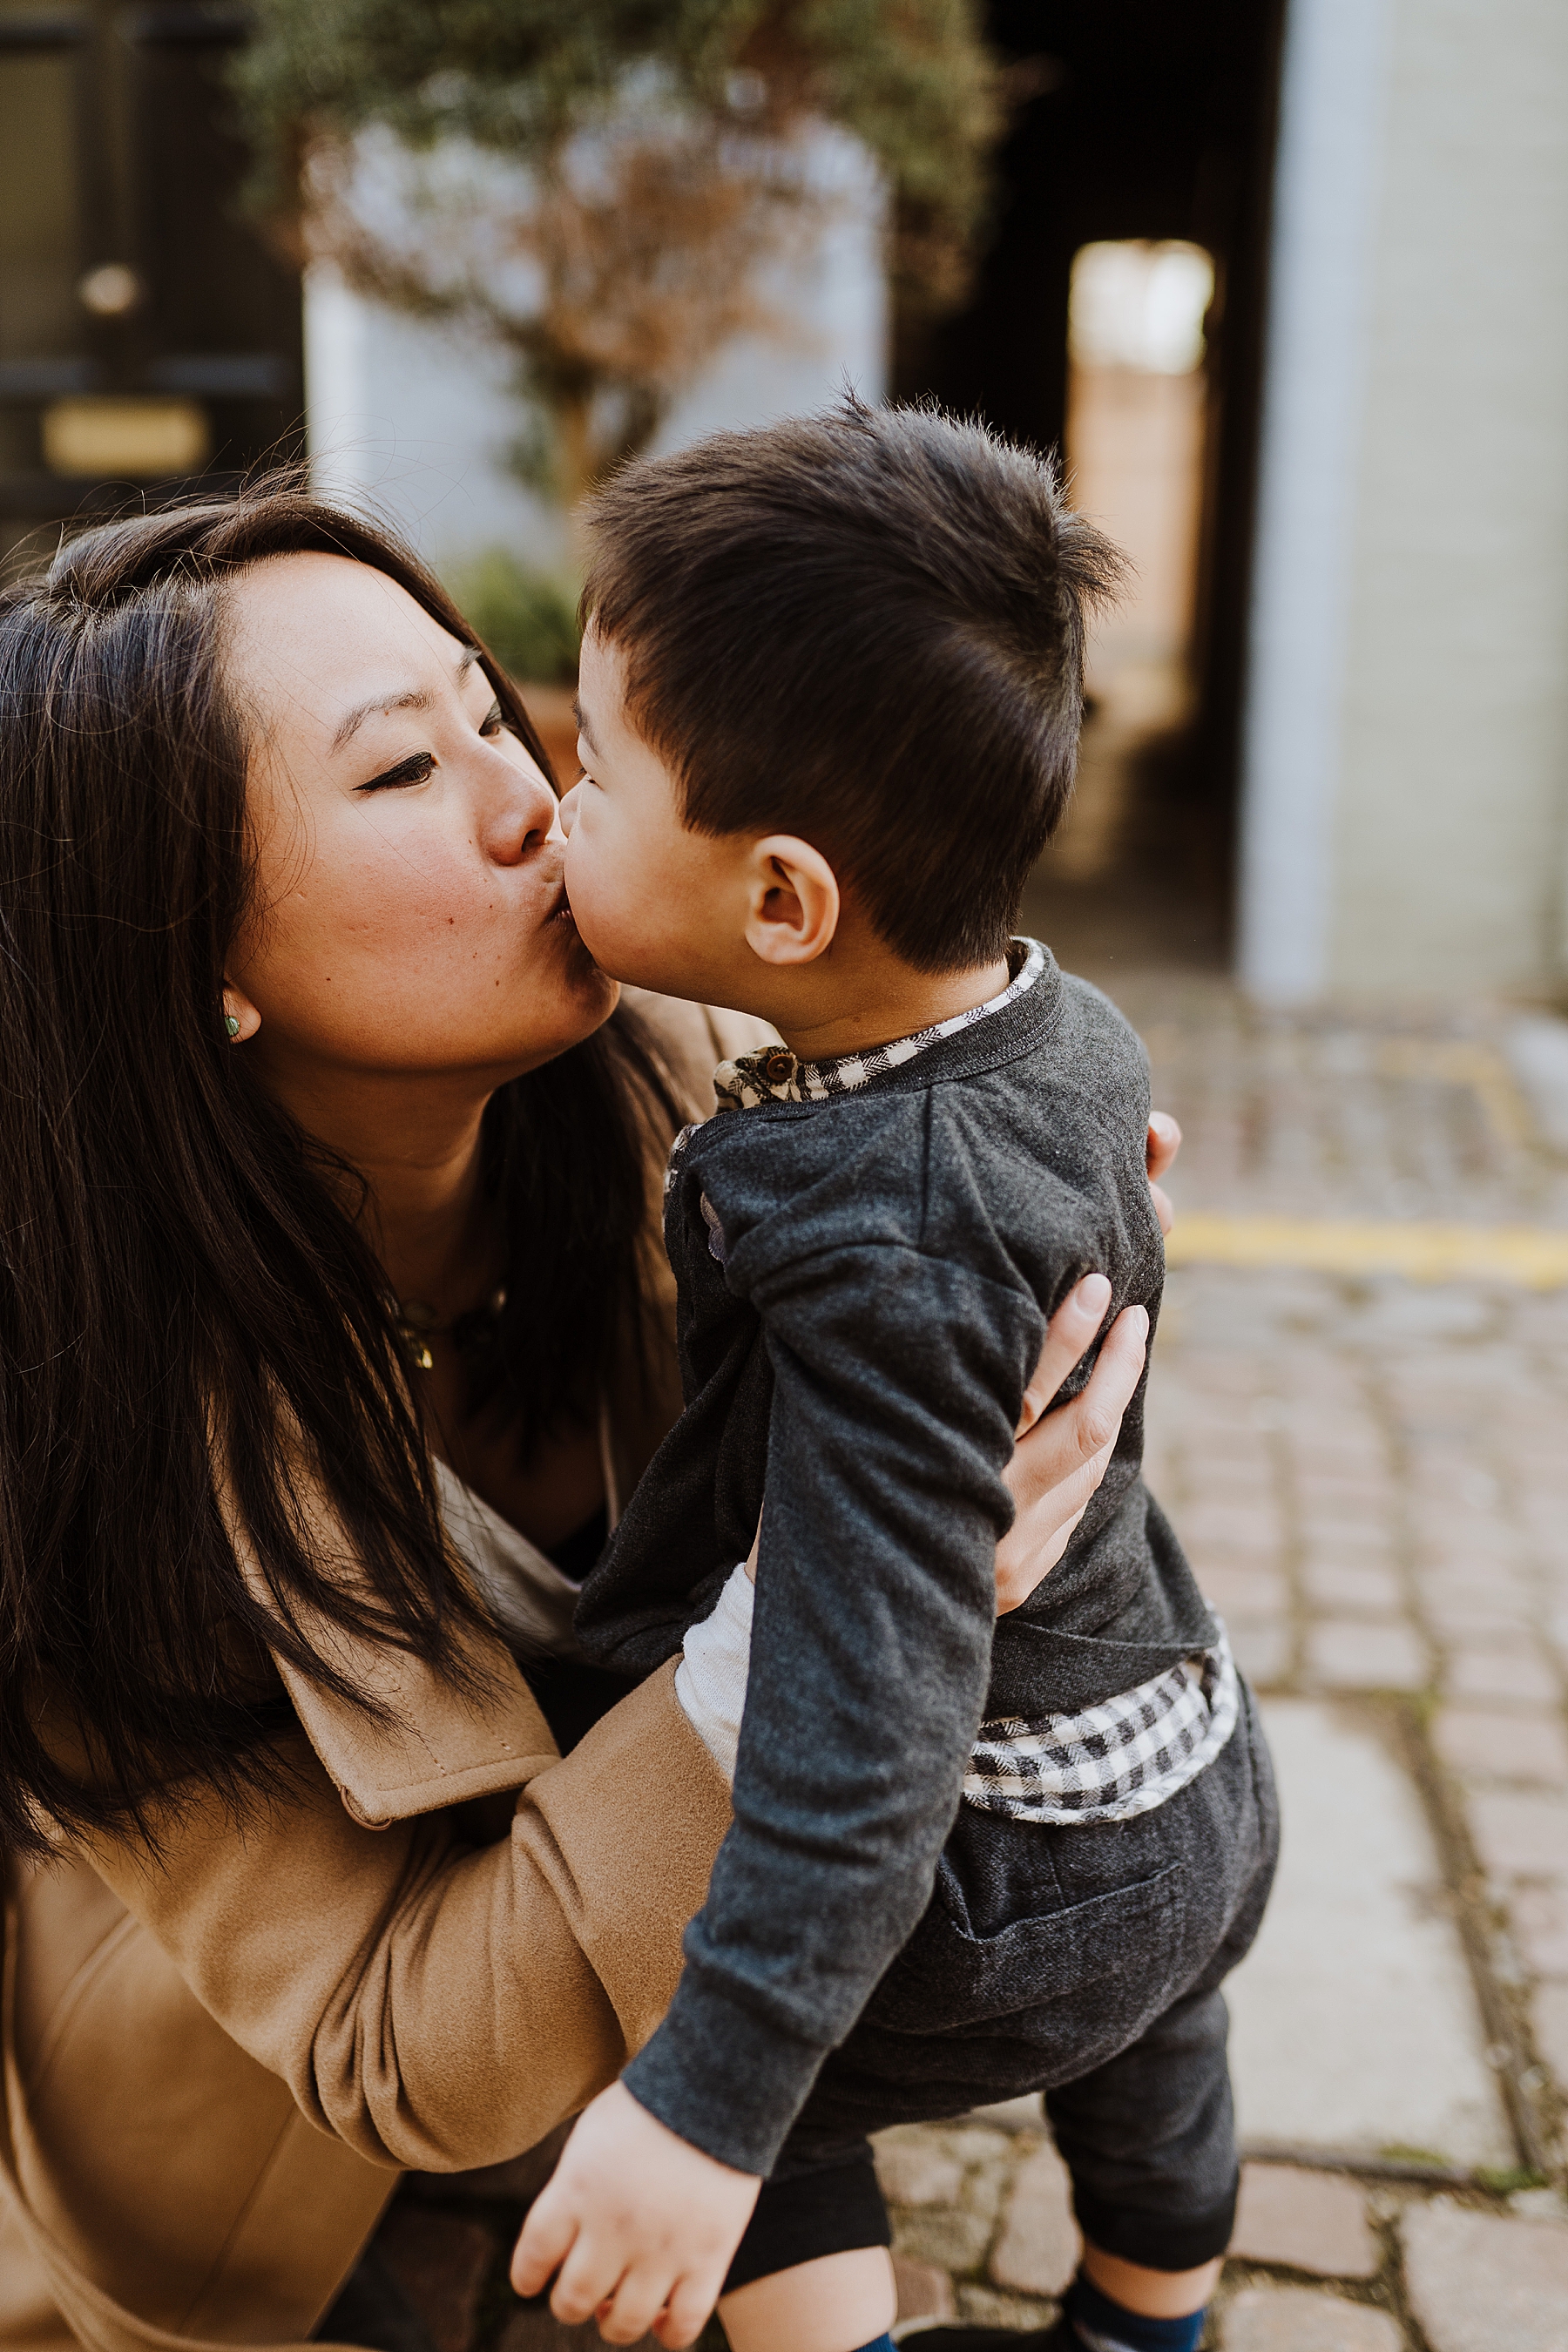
(331,1335)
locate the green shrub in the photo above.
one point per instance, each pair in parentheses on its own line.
(527,618)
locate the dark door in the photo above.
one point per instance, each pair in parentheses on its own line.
(1136,120)
(149,339)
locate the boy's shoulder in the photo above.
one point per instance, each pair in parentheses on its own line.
(1063,1050)
(1033,1117)
(1086,1015)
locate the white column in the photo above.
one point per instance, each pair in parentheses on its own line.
(334,380)
(1331,125)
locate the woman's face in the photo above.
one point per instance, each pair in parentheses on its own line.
(410,919)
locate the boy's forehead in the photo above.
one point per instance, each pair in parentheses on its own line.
(600,701)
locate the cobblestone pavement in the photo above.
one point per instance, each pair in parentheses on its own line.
(1372,1478)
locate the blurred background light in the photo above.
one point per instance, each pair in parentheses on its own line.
(1140,304)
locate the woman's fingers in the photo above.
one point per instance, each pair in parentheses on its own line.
(1164,1142)
(1057,1467)
(1069,1334)
(1110,1386)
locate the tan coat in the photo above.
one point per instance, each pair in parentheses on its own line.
(216,2064)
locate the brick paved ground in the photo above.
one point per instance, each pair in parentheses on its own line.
(1372,1478)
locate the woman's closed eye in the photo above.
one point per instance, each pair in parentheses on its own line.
(417,769)
(419,766)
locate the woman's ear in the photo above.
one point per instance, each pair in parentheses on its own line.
(792,911)
(240,1017)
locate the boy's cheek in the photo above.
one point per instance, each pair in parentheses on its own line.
(635,935)
(607,913)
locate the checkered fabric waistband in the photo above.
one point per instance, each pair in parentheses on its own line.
(1114,1760)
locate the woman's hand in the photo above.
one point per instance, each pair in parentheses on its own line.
(1164,1140)
(1061,1456)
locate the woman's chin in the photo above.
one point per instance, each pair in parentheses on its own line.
(591,976)
(590,995)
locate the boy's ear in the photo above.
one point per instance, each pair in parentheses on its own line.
(792,911)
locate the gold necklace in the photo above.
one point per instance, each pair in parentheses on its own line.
(418,1323)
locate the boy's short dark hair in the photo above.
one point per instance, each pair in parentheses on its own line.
(864,627)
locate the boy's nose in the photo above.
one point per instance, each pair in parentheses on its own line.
(567,814)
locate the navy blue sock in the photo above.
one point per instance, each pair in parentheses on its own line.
(1102,2325)
(879,2344)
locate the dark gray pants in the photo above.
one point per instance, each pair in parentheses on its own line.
(1082,1961)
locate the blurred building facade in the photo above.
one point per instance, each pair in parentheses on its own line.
(1405,825)
(1332,730)
(148,338)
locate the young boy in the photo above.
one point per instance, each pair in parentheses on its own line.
(830,702)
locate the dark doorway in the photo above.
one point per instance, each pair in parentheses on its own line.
(1152,127)
(148,340)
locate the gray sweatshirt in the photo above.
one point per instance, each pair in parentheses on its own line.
(864,1282)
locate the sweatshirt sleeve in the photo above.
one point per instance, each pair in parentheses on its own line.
(898,1375)
(434,2003)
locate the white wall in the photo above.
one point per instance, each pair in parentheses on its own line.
(1405,824)
(419,418)
(415,419)
(1331,128)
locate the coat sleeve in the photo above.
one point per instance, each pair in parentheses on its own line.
(437,2004)
(897,1377)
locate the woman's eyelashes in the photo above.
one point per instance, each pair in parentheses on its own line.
(419,766)
(417,769)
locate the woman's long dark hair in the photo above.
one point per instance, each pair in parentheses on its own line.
(184,1298)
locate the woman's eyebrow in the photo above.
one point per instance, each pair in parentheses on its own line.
(414,698)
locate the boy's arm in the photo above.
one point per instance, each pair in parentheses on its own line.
(897,1380)
(644,2224)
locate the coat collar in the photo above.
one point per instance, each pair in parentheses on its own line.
(436,1746)
(774,1074)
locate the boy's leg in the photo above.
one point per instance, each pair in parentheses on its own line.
(1153,2295)
(812,2273)
(1150,2141)
(836,2303)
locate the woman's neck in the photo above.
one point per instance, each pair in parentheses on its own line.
(426,1221)
(416,1144)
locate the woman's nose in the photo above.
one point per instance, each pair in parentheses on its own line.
(522,816)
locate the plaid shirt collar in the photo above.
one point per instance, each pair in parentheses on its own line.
(775,1075)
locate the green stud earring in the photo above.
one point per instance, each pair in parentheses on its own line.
(232,1026)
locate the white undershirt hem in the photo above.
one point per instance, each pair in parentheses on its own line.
(710,1680)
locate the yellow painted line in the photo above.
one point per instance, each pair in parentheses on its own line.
(1535,1256)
